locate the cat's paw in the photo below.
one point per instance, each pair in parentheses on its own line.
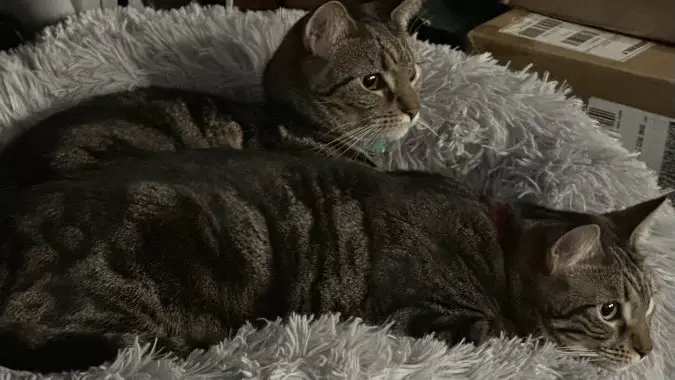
(234,135)
(228,134)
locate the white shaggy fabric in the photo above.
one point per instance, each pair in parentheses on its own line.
(506,132)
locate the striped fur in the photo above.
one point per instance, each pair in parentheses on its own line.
(315,101)
(185,246)
(611,272)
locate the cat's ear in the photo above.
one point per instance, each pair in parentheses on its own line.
(398,13)
(576,246)
(328,24)
(634,223)
(404,13)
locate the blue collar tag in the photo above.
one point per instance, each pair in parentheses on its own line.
(376,146)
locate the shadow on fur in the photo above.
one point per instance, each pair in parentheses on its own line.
(31,348)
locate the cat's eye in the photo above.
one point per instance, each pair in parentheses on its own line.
(609,310)
(373,82)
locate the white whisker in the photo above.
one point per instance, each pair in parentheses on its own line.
(339,142)
(427,126)
(580,351)
(348,124)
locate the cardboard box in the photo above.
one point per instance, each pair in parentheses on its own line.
(650,19)
(627,83)
(594,63)
(650,135)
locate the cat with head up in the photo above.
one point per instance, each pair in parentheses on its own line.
(362,74)
(343,81)
(186,246)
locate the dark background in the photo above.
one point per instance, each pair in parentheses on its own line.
(447,21)
(451,20)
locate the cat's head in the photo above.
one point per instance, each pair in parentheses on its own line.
(591,287)
(349,69)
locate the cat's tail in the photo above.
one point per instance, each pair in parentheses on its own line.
(41,349)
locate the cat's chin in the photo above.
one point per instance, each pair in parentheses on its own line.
(406,123)
(396,133)
(615,367)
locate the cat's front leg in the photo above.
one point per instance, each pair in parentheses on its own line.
(476,332)
(452,327)
(420,321)
(483,329)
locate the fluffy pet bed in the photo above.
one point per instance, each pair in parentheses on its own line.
(506,132)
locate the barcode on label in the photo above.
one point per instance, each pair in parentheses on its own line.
(640,137)
(605,118)
(667,172)
(633,48)
(540,28)
(579,38)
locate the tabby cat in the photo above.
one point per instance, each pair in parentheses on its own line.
(340,82)
(185,246)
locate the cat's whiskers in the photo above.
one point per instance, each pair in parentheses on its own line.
(427,126)
(372,133)
(350,141)
(350,135)
(581,351)
(339,142)
(340,126)
(345,142)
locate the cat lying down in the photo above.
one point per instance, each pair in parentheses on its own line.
(343,82)
(184,246)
